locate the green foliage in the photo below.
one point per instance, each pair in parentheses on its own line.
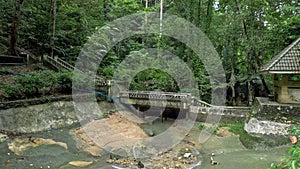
(293,160)
(153,79)
(246,35)
(64,81)
(32,84)
(236,128)
(37,84)
(295,130)
(11,92)
(201,126)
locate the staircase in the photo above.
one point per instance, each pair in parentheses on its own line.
(59,63)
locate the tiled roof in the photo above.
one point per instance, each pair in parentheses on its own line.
(286,62)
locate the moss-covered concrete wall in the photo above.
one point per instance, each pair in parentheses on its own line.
(266,108)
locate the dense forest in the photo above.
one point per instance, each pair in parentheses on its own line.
(246,34)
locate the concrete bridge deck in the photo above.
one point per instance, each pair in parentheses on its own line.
(156,99)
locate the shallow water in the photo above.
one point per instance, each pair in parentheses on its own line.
(229,152)
(46,156)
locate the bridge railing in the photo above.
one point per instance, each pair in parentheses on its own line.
(156,95)
(201,103)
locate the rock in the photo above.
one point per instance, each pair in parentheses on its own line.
(256,126)
(3,138)
(151,133)
(213,162)
(140,165)
(119,132)
(118,154)
(187,155)
(19,145)
(110,161)
(80,163)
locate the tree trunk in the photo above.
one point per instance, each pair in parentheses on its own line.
(191,17)
(105,10)
(251,68)
(14,27)
(232,83)
(208,15)
(53,28)
(199,13)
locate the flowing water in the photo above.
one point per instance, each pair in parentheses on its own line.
(229,152)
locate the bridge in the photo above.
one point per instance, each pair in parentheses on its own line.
(156,99)
(183,101)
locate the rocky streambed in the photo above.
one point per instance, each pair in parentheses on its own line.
(100,144)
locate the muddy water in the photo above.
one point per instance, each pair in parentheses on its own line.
(229,152)
(47,156)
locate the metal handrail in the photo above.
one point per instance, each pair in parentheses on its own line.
(205,104)
(61,63)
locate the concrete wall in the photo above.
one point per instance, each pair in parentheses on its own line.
(264,107)
(217,114)
(45,116)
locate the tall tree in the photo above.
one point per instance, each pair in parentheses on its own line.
(15,26)
(53,28)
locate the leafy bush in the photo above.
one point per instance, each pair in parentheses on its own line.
(201,126)
(38,84)
(293,160)
(236,128)
(11,92)
(31,84)
(64,81)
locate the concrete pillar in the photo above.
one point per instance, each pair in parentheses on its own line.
(162,115)
(110,83)
(283,95)
(27,59)
(187,114)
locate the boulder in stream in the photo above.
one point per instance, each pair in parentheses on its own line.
(255,126)
(19,145)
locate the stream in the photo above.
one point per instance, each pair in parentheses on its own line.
(228,152)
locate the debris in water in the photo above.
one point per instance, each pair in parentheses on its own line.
(140,164)
(294,139)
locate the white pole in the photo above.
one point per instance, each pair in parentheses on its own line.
(161,18)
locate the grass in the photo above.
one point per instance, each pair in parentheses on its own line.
(236,128)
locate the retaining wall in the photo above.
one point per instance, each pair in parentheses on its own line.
(219,114)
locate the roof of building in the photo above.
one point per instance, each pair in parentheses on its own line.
(286,62)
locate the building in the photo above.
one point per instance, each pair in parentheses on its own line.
(285,68)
